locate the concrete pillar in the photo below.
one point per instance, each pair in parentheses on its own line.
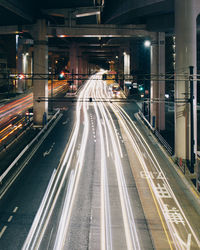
(73,57)
(186,50)
(80,66)
(29,67)
(40,70)
(158,81)
(127,63)
(161,65)
(20,82)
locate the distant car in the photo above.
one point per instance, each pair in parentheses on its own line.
(116,88)
(29,112)
(73,88)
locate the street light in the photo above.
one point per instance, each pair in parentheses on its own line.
(147,43)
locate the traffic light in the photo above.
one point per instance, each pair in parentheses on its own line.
(141,88)
(21,76)
(62,75)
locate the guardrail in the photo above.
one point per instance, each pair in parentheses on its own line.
(157,134)
(198,172)
(5,173)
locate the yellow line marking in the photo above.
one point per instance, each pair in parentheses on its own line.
(157,207)
(10,218)
(159,213)
(2,231)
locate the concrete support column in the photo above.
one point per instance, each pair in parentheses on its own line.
(158,81)
(20,82)
(121,67)
(127,63)
(73,57)
(161,65)
(40,70)
(186,49)
(29,67)
(80,66)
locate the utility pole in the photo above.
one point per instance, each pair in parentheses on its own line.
(191,100)
(51,105)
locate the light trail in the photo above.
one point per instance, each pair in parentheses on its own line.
(129,224)
(125,119)
(60,237)
(131,235)
(11,132)
(106,233)
(62,231)
(18,107)
(68,176)
(36,233)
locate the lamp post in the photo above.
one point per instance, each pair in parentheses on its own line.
(192,162)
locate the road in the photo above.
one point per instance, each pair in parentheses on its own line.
(99,181)
(12,114)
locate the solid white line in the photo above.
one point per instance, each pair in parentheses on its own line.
(30,236)
(50,237)
(155,163)
(60,236)
(33,152)
(106,234)
(26,148)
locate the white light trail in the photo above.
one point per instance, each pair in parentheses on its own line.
(106,233)
(132,239)
(42,219)
(60,237)
(125,119)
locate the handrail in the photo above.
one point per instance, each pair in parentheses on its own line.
(26,148)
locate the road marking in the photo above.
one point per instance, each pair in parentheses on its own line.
(50,237)
(48,151)
(10,218)
(15,209)
(65,122)
(160,215)
(2,231)
(186,245)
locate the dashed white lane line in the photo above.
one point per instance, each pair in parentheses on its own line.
(15,209)
(10,218)
(2,231)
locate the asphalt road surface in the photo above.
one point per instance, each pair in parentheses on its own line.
(99,181)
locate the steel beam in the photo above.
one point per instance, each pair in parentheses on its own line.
(101,30)
(14,7)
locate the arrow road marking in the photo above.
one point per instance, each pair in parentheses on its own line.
(48,151)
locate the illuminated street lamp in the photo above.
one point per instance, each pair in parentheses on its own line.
(147,43)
